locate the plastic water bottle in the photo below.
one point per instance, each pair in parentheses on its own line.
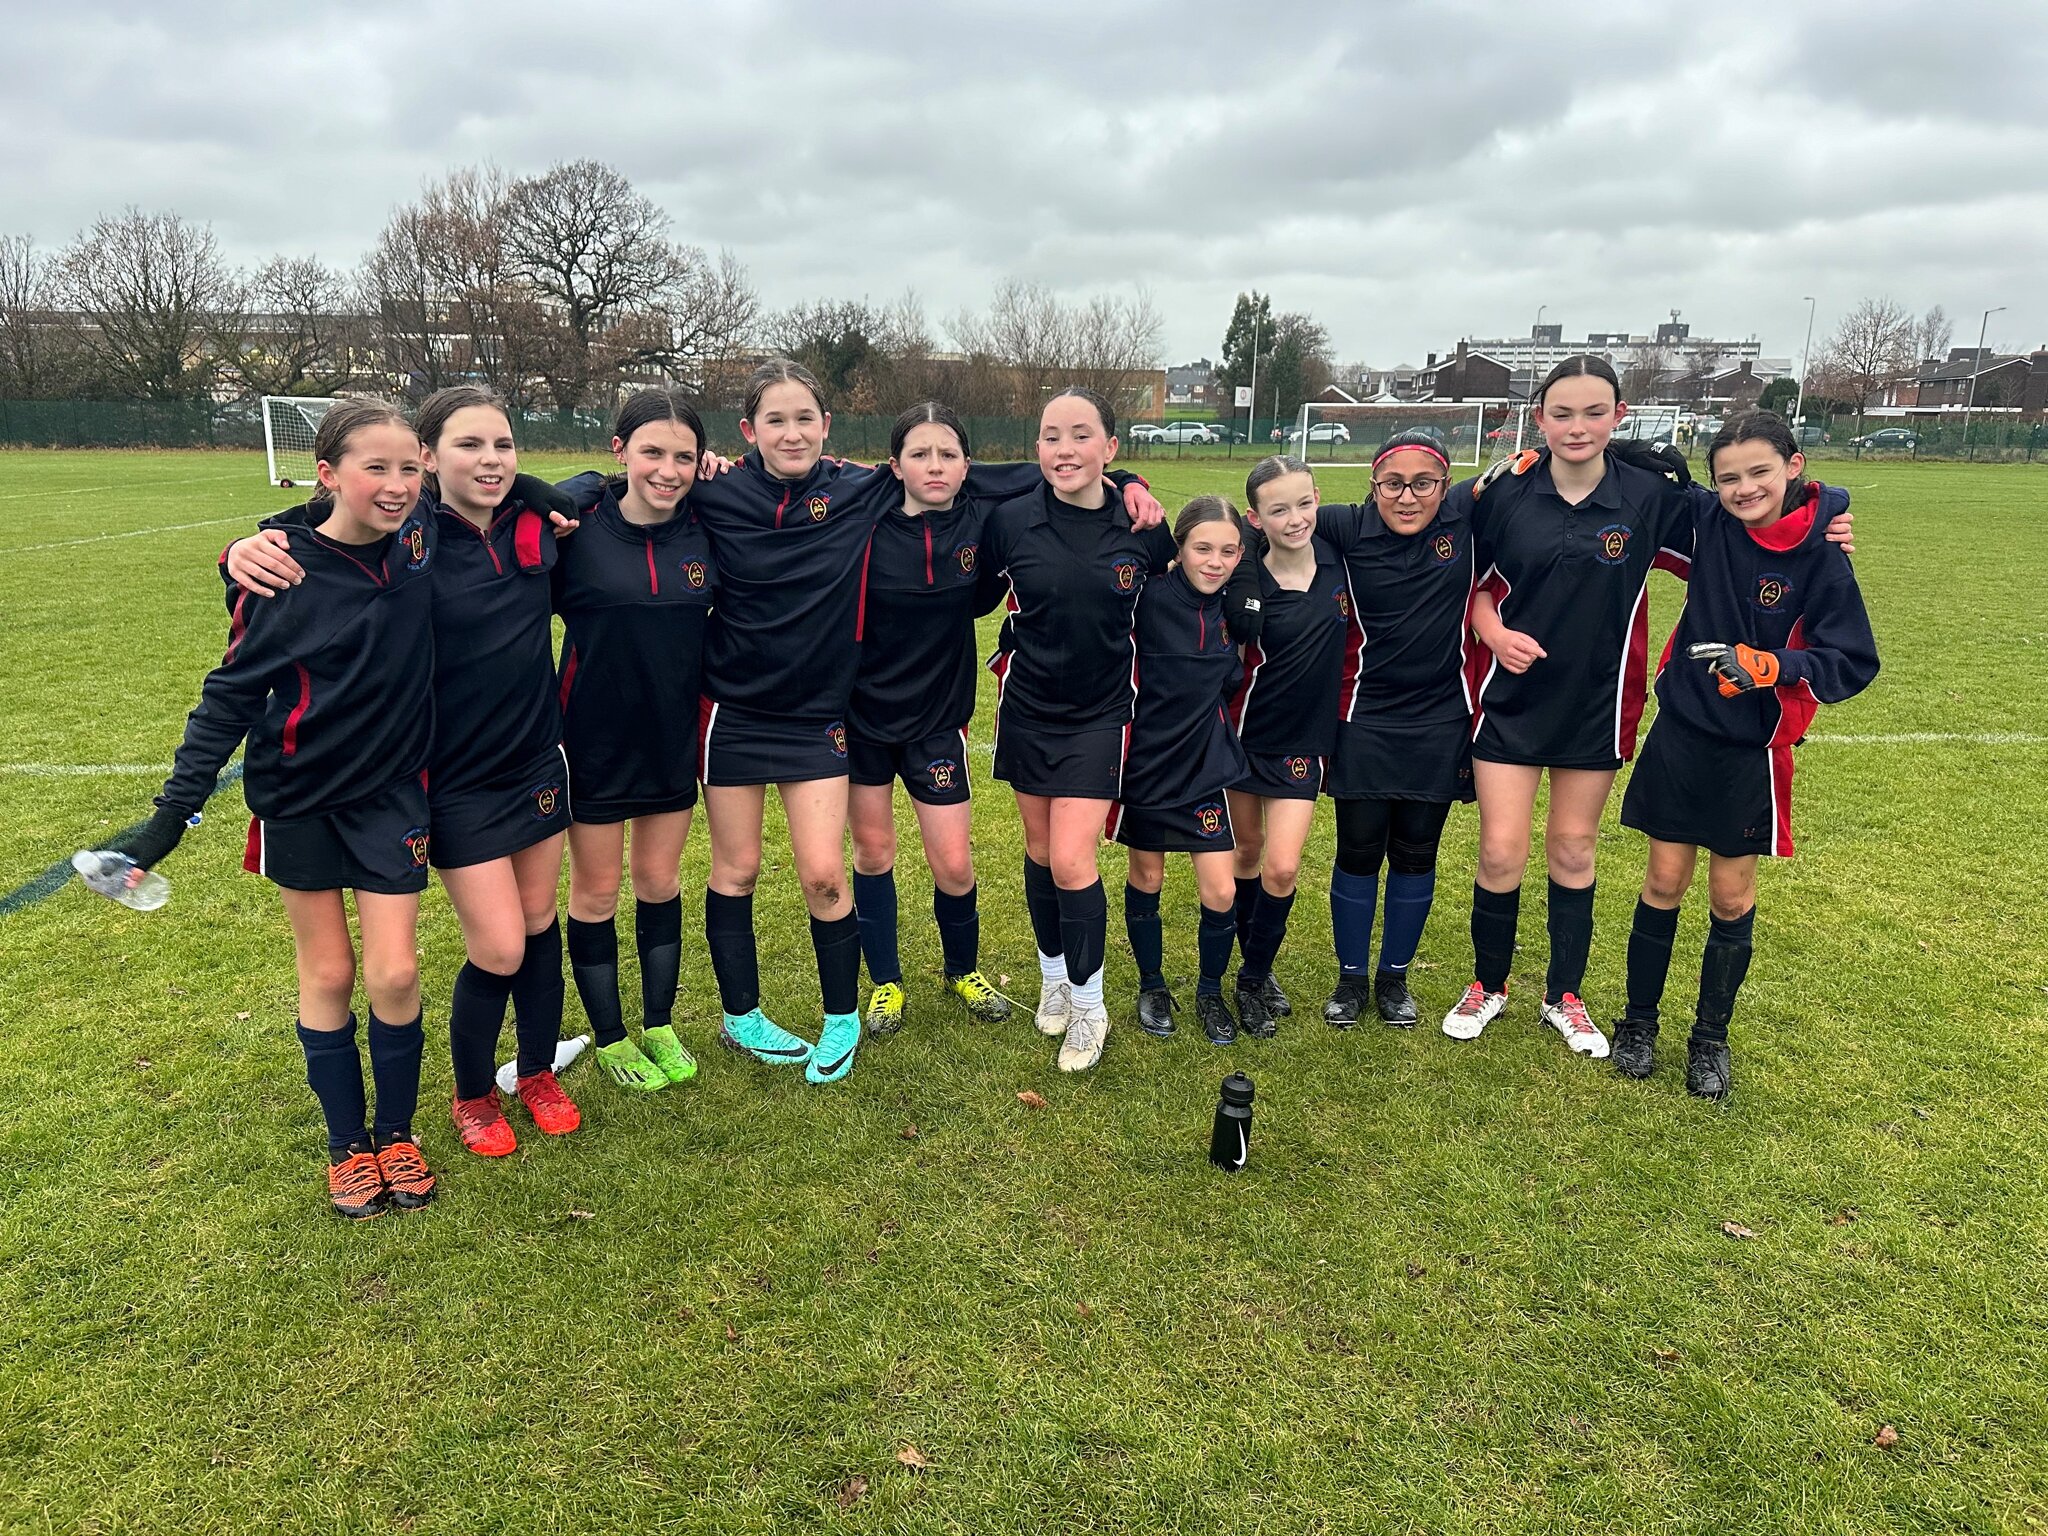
(1230,1138)
(120,878)
(566,1051)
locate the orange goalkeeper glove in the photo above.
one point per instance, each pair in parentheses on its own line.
(1738,668)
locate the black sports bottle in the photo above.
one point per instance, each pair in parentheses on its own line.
(1230,1140)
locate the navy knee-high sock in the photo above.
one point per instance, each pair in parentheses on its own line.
(874,906)
(1084,931)
(1650,938)
(1723,966)
(836,943)
(537,993)
(1141,925)
(959,920)
(1042,899)
(1352,901)
(1494,914)
(1213,939)
(1571,939)
(395,1069)
(334,1071)
(1247,904)
(1408,901)
(658,935)
(735,960)
(594,962)
(1268,928)
(476,1015)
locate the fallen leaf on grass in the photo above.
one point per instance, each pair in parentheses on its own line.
(1922,1114)
(1844,1216)
(582,1215)
(1032,1100)
(1885,1438)
(1416,1271)
(1004,981)
(912,1458)
(1084,1309)
(1925,947)
(874,1255)
(142,1063)
(243,1014)
(731,1335)
(851,1492)
(909,1133)
(1737,1229)
(1666,1356)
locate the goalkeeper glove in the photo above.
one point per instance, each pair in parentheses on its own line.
(1659,458)
(541,496)
(1739,668)
(1242,614)
(1515,464)
(154,839)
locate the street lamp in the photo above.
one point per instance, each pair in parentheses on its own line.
(1976,367)
(1799,404)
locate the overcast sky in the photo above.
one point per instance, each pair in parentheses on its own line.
(1407,173)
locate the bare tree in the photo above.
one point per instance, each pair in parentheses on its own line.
(1643,379)
(403,286)
(151,298)
(1932,334)
(298,336)
(707,321)
(1107,344)
(36,347)
(1872,345)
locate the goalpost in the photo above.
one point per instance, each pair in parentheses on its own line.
(289,422)
(1347,435)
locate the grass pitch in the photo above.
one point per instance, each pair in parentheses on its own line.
(1474,1287)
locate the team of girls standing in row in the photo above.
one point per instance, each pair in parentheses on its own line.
(1140,687)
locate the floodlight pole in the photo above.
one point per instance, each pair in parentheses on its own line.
(1799,404)
(1976,367)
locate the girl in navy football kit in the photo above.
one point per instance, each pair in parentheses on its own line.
(1404,711)
(912,698)
(331,683)
(635,589)
(497,787)
(1071,569)
(1773,627)
(1182,758)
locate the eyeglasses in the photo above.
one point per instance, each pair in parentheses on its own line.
(1394,490)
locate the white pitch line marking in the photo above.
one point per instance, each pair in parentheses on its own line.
(1921,738)
(77,770)
(94,490)
(132,533)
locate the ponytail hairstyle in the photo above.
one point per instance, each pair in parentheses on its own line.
(780,370)
(930,411)
(338,428)
(431,419)
(665,404)
(1205,509)
(1585,364)
(1754,427)
(1267,470)
(1103,408)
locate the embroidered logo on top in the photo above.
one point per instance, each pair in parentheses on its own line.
(1343,603)
(1297,769)
(1610,544)
(1446,548)
(820,505)
(416,845)
(944,773)
(1125,574)
(1772,591)
(413,539)
(694,573)
(547,798)
(836,733)
(1209,819)
(967,556)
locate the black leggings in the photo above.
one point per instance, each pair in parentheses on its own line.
(1402,832)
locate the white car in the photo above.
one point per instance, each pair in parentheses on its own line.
(1145,432)
(1188,432)
(1323,432)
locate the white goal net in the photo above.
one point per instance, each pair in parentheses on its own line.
(289,422)
(1471,431)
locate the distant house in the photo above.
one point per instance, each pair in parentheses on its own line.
(1193,384)
(1466,375)
(2001,383)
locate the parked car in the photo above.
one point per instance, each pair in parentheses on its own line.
(1323,432)
(1809,437)
(1886,437)
(1187,432)
(1146,432)
(1226,433)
